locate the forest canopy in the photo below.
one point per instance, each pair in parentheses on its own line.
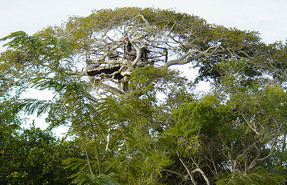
(133,117)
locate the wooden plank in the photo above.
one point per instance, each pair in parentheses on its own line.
(104,69)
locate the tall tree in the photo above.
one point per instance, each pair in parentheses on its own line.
(138,121)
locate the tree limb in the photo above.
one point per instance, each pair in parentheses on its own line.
(186,168)
(174,172)
(109,89)
(197,54)
(203,175)
(271,149)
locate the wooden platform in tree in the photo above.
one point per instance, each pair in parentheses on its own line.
(110,69)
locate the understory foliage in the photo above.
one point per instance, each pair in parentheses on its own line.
(161,130)
(33,156)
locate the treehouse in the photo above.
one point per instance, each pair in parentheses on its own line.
(117,60)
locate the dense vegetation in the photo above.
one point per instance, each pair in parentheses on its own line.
(155,127)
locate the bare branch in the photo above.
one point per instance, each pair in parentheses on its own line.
(203,175)
(196,55)
(271,149)
(174,172)
(186,168)
(144,19)
(106,87)
(250,126)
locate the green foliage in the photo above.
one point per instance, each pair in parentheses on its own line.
(200,116)
(257,177)
(83,176)
(33,156)
(160,131)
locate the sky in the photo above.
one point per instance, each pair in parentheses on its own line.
(265,16)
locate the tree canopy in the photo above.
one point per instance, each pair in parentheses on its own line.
(138,120)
